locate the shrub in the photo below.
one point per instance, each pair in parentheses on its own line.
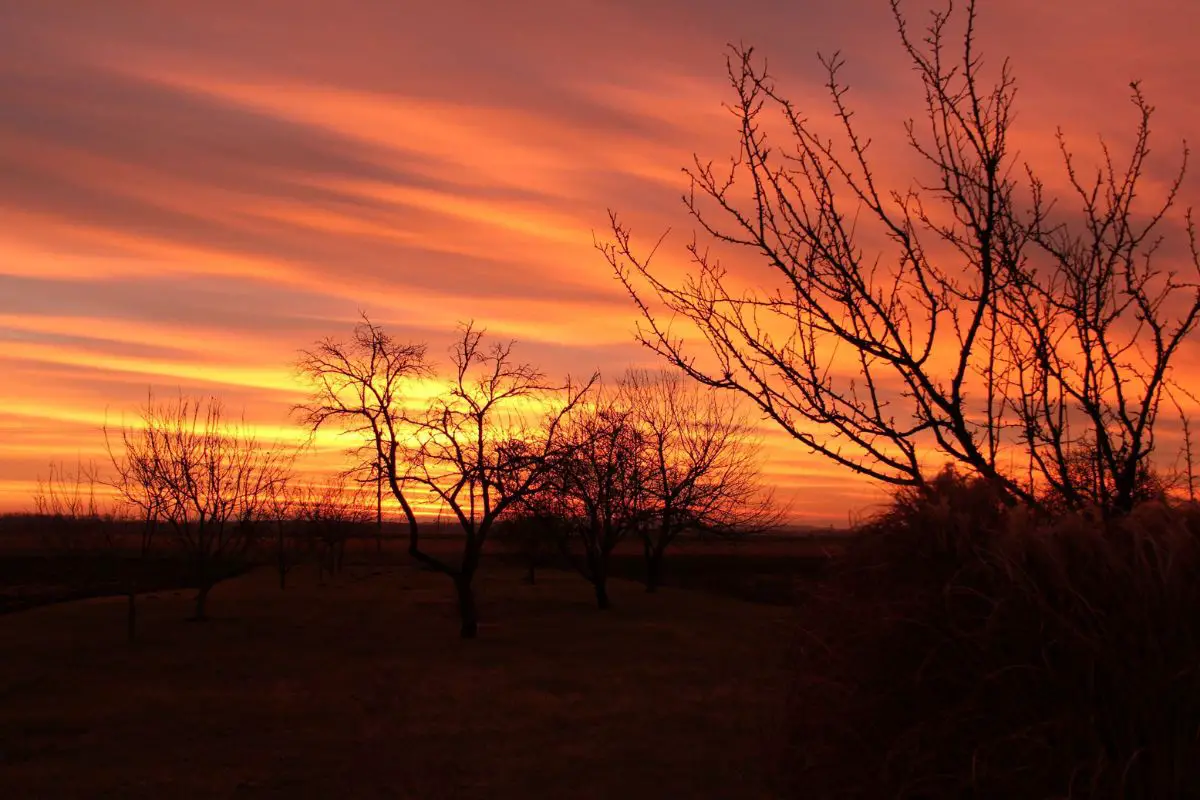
(963,648)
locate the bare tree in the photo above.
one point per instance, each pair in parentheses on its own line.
(67,492)
(66,500)
(360,385)
(603,484)
(477,449)
(136,480)
(287,545)
(330,514)
(484,445)
(538,527)
(699,469)
(966,314)
(209,481)
(654,458)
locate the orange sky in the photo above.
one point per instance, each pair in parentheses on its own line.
(191,191)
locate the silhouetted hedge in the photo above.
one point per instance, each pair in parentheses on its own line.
(965,649)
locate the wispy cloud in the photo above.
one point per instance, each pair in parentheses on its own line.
(192,191)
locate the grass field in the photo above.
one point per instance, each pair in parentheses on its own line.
(362,688)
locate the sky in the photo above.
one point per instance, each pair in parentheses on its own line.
(192,191)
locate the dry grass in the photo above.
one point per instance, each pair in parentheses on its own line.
(966,650)
(363,689)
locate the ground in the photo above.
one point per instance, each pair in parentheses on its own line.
(361,688)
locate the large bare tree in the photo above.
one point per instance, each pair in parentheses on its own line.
(966,315)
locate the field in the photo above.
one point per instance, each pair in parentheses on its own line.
(361,687)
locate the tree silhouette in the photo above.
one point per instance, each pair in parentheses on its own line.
(360,385)
(208,481)
(327,514)
(699,469)
(478,448)
(140,489)
(601,484)
(652,458)
(485,444)
(966,314)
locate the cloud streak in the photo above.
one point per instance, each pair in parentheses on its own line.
(193,191)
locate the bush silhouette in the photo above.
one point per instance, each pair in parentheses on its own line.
(967,648)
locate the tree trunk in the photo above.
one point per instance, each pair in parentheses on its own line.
(600,584)
(531,573)
(201,602)
(597,561)
(131,615)
(654,568)
(466,606)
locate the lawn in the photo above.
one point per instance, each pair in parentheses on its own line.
(362,688)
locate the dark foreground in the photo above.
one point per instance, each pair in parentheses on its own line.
(362,688)
(31,580)
(778,571)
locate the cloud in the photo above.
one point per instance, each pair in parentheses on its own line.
(193,191)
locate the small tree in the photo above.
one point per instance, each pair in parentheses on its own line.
(699,470)
(603,483)
(137,482)
(66,501)
(286,545)
(210,481)
(1187,476)
(538,527)
(329,515)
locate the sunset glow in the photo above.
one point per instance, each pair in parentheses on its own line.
(192,192)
